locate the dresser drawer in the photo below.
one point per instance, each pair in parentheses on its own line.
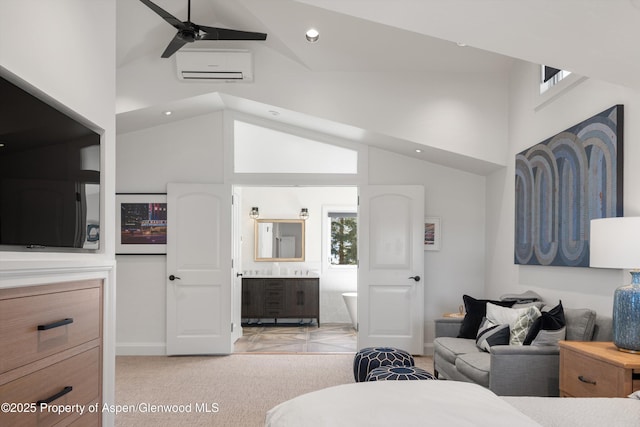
(80,372)
(77,312)
(587,377)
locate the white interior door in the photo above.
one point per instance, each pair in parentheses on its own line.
(198,269)
(391,267)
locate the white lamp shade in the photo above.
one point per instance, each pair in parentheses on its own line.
(615,243)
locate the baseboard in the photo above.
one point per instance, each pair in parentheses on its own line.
(428,349)
(141,349)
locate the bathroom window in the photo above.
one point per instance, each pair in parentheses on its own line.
(343,237)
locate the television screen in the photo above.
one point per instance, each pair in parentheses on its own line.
(49,176)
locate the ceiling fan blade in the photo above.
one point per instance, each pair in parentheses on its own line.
(213,33)
(174,46)
(164,15)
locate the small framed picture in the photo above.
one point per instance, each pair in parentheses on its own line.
(432,234)
(141,223)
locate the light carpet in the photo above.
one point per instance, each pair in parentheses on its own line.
(234,391)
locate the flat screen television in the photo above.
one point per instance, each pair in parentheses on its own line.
(49,174)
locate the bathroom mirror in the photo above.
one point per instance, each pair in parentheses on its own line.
(279,240)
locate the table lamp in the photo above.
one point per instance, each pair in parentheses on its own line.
(615,243)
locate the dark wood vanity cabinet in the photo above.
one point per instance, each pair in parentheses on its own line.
(281,298)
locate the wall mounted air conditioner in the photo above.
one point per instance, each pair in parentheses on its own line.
(215,66)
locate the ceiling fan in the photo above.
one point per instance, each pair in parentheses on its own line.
(188,32)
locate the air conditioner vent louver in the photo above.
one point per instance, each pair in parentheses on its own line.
(215,66)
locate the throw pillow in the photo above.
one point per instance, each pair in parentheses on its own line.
(475,310)
(551,320)
(550,337)
(518,319)
(491,334)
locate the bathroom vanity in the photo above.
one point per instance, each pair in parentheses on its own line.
(291,297)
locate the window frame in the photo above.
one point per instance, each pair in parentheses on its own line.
(326,237)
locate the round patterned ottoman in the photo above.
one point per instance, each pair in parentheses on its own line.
(370,358)
(384,373)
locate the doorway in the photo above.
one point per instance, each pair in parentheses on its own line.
(335,332)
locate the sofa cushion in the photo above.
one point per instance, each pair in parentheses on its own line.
(475,366)
(450,348)
(475,310)
(580,323)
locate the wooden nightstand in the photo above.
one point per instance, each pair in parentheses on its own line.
(597,369)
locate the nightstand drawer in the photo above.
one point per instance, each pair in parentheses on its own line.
(34,327)
(81,373)
(586,377)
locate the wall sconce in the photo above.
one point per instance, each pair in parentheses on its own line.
(254,213)
(304,213)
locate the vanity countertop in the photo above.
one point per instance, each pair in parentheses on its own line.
(282,276)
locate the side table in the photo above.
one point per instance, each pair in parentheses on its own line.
(597,369)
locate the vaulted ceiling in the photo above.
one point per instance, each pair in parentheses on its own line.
(594,38)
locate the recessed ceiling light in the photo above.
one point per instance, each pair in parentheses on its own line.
(1,144)
(167,113)
(461,44)
(418,150)
(312,35)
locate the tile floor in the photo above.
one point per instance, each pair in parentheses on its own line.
(328,338)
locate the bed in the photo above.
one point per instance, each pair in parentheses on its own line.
(446,403)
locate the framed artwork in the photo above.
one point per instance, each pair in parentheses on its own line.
(141,224)
(432,234)
(564,182)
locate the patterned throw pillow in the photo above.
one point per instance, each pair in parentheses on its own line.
(491,334)
(518,319)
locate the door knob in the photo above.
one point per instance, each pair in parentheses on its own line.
(416,278)
(172,278)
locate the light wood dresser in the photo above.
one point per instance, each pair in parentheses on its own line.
(51,354)
(597,369)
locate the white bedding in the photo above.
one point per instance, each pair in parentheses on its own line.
(579,412)
(398,403)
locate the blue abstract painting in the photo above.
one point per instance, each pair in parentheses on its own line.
(562,184)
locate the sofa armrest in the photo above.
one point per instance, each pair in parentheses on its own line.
(448,327)
(525,370)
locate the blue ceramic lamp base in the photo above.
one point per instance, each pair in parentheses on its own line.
(626,315)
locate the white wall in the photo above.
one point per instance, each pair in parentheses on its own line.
(577,287)
(184,151)
(285,203)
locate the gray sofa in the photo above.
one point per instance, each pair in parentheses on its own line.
(512,370)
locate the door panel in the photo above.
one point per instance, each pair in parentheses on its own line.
(199,258)
(390,244)
(383,321)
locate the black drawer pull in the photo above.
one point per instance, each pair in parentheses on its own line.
(58,395)
(584,380)
(55,324)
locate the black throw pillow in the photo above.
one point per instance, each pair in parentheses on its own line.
(551,320)
(476,309)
